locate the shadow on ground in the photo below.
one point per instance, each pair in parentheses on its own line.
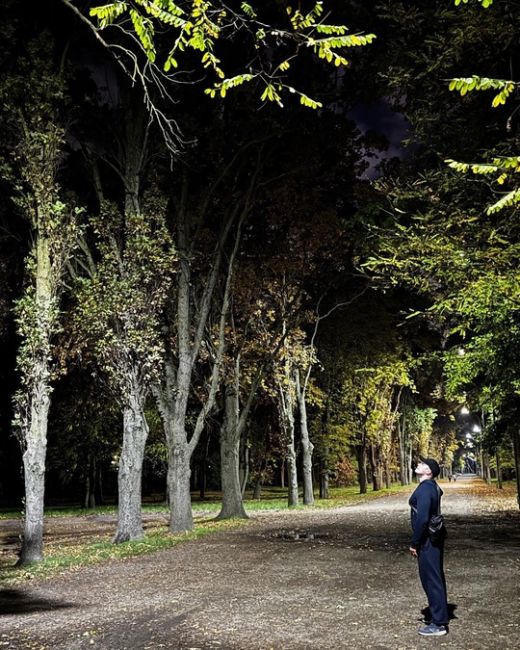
(15,601)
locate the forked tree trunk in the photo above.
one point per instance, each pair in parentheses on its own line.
(173,397)
(135,433)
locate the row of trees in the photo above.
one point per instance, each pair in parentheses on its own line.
(456,243)
(236,285)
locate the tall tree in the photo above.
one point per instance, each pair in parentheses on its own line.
(33,100)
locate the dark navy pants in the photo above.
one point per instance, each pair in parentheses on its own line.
(431,572)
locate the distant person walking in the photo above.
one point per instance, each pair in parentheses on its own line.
(425,502)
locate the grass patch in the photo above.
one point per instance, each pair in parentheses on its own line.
(59,558)
(273,498)
(68,553)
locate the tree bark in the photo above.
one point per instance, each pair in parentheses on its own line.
(286,403)
(404,470)
(89,500)
(388,476)
(244,465)
(324,481)
(135,433)
(307,446)
(203,468)
(173,397)
(499,469)
(232,504)
(257,492)
(179,474)
(34,431)
(516,451)
(34,468)
(362,467)
(374,468)
(485,467)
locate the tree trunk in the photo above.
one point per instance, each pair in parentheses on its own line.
(286,408)
(516,451)
(324,483)
(89,500)
(282,473)
(362,467)
(388,476)
(257,492)
(404,469)
(485,467)
(179,474)
(307,446)
(135,433)
(374,468)
(244,466)
(37,403)
(173,396)
(292,471)
(232,503)
(100,499)
(499,469)
(203,468)
(34,468)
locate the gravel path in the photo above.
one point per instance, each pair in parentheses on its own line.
(351,585)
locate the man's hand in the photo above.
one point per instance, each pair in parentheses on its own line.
(413,551)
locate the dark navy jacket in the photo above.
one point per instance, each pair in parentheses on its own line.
(424,503)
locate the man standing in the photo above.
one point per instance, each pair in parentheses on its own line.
(425,502)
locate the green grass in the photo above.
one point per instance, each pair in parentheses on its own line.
(272,499)
(60,557)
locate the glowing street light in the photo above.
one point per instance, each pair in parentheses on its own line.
(476,428)
(464,410)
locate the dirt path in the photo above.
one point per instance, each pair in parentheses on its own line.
(351,587)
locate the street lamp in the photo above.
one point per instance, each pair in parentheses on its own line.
(464,410)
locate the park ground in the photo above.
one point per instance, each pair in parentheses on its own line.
(285,580)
